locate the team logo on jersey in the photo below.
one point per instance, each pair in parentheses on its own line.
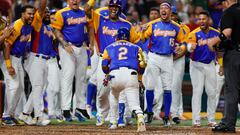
(202,42)
(107,31)
(79,20)
(49,33)
(25,38)
(164,33)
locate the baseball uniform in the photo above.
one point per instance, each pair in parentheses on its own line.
(203,73)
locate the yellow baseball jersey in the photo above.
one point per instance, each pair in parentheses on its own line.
(19,38)
(163,36)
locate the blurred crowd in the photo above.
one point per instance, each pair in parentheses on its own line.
(136,10)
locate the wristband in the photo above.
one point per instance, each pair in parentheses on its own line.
(222,37)
(8,63)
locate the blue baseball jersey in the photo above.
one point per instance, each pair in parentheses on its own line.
(163,36)
(106,30)
(122,54)
(19,38)
(73,25)
(42,37)
(202,53)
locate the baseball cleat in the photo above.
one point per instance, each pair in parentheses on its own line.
(166,122)
(212,124)
(67,115)
(196,125)
(79,116)
(43,122)
(83,113)
(223,128)
(99,120)
(8,121)
(176,120)
(26,119)
(149,118)
(89,111)
(112,126)
(17,122)
(140,124)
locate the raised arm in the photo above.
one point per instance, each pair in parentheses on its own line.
(42,7)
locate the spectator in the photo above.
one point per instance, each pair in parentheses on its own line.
(192,22)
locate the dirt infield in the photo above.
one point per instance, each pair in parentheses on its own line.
(93,130)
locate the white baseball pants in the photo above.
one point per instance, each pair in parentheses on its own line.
(14,85)
(73,65)
(124,80)
(203,75)
(178,73)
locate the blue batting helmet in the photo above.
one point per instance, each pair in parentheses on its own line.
(123,34)
(115,3)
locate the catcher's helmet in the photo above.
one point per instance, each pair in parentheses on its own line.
(115,3)
(123,34)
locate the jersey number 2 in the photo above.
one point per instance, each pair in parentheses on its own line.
(122,51)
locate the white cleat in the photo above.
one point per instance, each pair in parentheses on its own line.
(99,121)
(26,119)
(113,126)
(141,124)
(42,122)
(89,111)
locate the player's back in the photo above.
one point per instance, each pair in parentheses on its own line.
(123,54)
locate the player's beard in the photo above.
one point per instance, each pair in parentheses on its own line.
(46,21)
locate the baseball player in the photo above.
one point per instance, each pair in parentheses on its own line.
(220,76)
(5,32)
(106,32)
(73,55)
(178,73)
(202,69)
(158,93)
(92,88)
(44,64)
(15,48)
(163,33)
(121,62)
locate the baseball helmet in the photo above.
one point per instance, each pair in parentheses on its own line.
(115,3)
(123,34)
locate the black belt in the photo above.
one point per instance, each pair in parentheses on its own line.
(18,56)
(45,57)
(160,53)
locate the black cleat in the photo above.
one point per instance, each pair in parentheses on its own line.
(176,120)
(83,113)
(166,122)
(222,128)
(149,118)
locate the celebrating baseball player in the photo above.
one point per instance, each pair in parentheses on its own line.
(15,49)
(71,26)
(121,62)
(106,31)
(43,63)
(202,69)
(163,33)
(178,73)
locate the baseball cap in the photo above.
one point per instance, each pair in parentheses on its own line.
(174,10)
